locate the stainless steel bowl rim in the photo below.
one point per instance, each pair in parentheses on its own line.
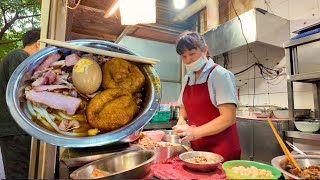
(13,102)
(201,153)
(275,163)
(117,154)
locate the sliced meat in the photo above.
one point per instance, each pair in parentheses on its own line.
(46,63)
(48,78)
(60,80)
(72,59)
(50,87)
(58,64)
(66,125)
(39,73)
(55,100)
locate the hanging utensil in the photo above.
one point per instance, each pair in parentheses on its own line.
(295,148)
(133,58)
(292,161)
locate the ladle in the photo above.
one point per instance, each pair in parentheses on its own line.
(295,148)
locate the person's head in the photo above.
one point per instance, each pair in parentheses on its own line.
(30,41)
(193,49)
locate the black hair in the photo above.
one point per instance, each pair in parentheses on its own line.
(30,37)
(189,40)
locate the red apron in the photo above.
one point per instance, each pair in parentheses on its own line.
(200,110)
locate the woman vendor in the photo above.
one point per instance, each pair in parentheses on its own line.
(207,100)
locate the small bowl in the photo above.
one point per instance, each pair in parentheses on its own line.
(232,175)
(201,167)
(307,126)
(155,135)
(123,165)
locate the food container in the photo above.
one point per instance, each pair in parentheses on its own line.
(164,153)
(123,165)
(19,80)
(172,138)
(281,163)
(302,113)
(155,135)
(161,116)
(281,114)
(307,126)
(203,167)
(234,163)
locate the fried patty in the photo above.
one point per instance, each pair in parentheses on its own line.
(111,109)
(119,73)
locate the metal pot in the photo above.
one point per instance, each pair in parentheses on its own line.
(21,76)
(281,163)
(123,165)
(165,153)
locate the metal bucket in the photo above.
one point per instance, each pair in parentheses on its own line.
(21,76)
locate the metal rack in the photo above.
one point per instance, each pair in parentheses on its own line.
(303,65)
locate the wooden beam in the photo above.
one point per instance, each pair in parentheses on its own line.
(73,35)
(91,9)
(109,37)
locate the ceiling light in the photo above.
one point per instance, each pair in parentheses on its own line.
(137,11)
(112,9)
(179,4)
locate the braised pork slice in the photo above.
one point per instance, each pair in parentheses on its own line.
(55,100)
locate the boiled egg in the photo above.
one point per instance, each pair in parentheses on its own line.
(86,76)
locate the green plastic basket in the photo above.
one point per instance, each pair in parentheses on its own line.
(231,175)
(161,116)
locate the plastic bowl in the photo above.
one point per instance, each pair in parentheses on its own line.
(155,135)
(307,126)
(231,175)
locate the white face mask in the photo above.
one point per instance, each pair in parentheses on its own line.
(197,65)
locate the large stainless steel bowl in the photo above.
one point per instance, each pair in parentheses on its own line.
(123,165)
(203,167)
(21,76)
(281,163)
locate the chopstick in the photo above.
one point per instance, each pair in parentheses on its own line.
(292,161)
(133,58)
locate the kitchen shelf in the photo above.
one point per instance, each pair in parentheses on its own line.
(304,40)
(303,135)
(306,77)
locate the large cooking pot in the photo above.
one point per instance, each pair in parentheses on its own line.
(19,80)
(304,161)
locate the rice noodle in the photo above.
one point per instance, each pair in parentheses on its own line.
(54,125)
(29,106)
(43,121)
(63,115)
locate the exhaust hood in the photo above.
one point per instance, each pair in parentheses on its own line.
(259,26)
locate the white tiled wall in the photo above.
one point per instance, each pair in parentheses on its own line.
(253,89)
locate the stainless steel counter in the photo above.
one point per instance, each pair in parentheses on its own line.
(160,125)
(304,141)
(257,140)
(303,135)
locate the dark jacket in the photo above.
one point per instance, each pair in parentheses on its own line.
(8,64)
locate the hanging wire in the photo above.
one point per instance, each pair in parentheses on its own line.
(266,73)
(75,7)
(268,6)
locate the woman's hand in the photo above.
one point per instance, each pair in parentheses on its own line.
(182,116)
(185,131)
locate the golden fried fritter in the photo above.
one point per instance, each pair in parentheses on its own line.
(119,73)
(111,109)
